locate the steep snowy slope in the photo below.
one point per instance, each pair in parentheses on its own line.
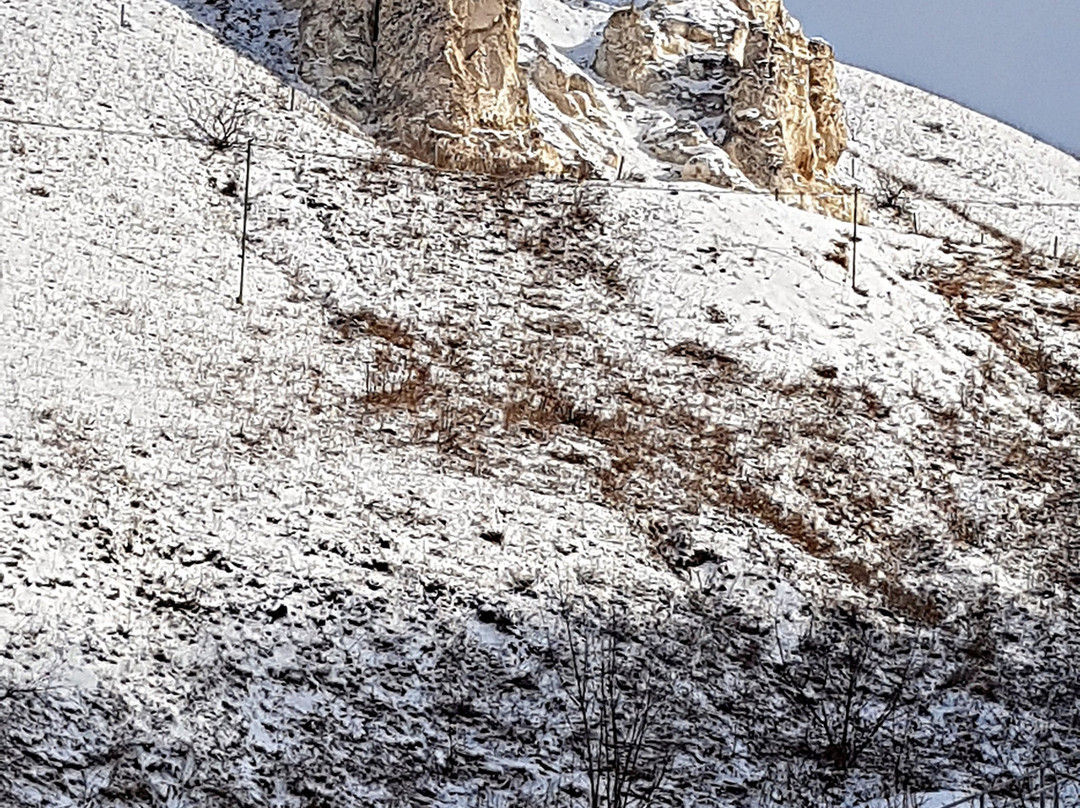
(332,546)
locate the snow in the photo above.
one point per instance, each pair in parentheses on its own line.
(244,567)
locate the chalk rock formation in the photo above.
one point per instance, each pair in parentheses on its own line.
(684,144)
(565,86)
(629,54)
(573,113)
(438,78)
(747,75)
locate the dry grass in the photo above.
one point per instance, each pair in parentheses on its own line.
(976,293)
(646,454)
(657,455)
(703,355)
(365,323)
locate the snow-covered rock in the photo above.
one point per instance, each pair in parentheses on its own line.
(749,76)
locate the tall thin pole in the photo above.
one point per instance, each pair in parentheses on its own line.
(854,234)
(243,229)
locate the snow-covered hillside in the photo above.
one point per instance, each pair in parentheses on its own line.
(333,545)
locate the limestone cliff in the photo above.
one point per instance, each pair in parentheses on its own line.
(745,76)
(728,92)
(438,78)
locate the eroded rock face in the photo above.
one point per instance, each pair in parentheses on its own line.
(573,112)
(438,78)
(746,73)
(786,128)
(685,144)
(629,53)
(570,91)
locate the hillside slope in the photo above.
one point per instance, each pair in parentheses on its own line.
(333,546)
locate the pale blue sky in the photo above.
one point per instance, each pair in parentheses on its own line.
(1015,60)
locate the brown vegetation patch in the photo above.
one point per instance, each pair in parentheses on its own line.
(976,294)
(1051,376)
(647,453)
(366,323)
(406,388)
(702,354)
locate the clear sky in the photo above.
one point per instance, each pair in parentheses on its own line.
(1014,60)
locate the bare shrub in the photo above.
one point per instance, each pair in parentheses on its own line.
(793,784)
(219,123)
(893,194)
(849,682)
(617,708)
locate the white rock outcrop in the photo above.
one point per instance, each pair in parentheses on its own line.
(574,114)
(438,78)
(685,145)
(751,81)
(729,92)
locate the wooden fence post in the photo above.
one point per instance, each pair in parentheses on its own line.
(243,228)
(854,234)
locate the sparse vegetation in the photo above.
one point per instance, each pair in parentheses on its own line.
(893,194)
(219,123)
(617,707)
(323,539)
(850,683)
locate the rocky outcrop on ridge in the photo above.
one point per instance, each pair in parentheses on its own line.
(745,99)
(743,77)
(729,93)
(438,78)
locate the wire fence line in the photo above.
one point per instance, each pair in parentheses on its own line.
(240,145)
(383,162)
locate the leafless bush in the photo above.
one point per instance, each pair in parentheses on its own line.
(791,784)
(905,785)
(849,682)
(617,708)
(893,194)
(219,123)
(24,697)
